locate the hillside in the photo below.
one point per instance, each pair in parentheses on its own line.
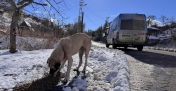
(29,25)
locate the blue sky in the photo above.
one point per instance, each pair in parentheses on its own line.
(96,11)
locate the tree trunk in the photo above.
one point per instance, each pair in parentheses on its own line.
(15,18)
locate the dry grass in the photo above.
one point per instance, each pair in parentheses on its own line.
(29,43)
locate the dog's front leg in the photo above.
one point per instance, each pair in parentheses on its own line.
(62,65)
(70,61)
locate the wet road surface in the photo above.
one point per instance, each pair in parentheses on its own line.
(152,70)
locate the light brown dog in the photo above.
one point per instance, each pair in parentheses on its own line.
(69,46)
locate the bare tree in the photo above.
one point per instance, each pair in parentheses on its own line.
(172,19)
(164,19)
(17,6)
(150,19)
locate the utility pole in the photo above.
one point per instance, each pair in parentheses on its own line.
(107,18)
(80,17)
(107,26)
(82,22)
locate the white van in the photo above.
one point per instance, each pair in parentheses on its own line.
(127,30)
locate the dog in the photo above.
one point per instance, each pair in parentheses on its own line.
(69,46)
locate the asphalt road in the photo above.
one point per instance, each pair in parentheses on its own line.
(152,70)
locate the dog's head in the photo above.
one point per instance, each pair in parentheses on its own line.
(53,65)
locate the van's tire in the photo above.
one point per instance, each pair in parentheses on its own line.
(126,47)
(107,45)
(139,48)
(113,45)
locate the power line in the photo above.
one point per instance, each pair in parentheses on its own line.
(85,13)
(87,8)
(90,19)
(95,14)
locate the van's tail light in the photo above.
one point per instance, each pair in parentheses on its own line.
(117,35)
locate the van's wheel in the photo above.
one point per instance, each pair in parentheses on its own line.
(107,45)
(125,47)
(139,48)
(113,45)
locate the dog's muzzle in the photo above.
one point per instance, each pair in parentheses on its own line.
(56,67)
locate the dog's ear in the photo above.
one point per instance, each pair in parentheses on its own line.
(47,61)
(50,63)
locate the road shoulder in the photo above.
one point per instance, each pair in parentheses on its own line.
(139,74)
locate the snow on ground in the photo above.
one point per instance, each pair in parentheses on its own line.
(20,68)
(107,69)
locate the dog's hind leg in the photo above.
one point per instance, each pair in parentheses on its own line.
(86,56)
(81,52)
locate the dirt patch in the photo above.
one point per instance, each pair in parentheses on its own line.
(42,84)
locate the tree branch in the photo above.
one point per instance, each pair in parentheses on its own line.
(21,2)
(12,4)
(42,4)
(55,9)
(26,4)
(65,4)
(57,2)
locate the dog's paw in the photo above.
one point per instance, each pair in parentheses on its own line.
(64,81)
(84,77)
(77,73)
(75,69)
(84,72)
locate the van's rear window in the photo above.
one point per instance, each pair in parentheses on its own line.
(132,25)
